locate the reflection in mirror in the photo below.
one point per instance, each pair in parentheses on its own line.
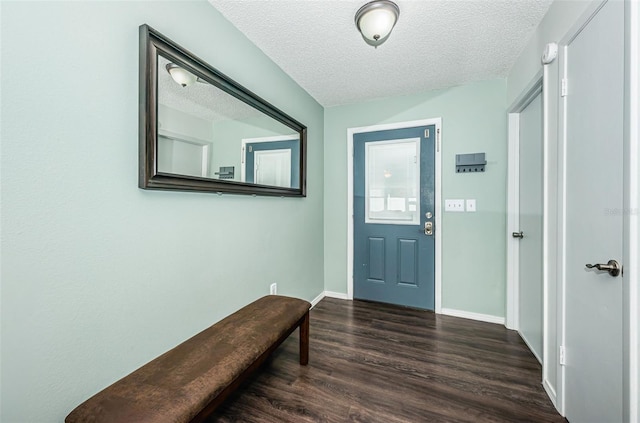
(202,129)
(210,134)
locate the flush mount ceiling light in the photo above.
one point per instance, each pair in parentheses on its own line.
(376,19)
(180,75)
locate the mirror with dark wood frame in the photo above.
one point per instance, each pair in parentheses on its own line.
(202,131)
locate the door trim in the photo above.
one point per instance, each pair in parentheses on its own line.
(631,221)
(438,215)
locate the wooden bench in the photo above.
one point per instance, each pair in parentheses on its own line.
(188,382)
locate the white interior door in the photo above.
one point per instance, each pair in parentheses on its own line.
(593,218)
(530,245)
(273,167)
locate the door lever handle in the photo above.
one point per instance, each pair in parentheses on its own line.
(612,266)
(517,234)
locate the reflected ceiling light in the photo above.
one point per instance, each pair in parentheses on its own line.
(376,19)
(180,75)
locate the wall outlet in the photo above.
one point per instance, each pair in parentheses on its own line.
(454,205)
(471,205)
(273,289)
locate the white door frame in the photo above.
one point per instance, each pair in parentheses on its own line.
(631,221)
(438,215)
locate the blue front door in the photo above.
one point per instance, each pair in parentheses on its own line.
(394,210)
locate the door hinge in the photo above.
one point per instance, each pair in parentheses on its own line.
(426,133)
(563,87)
(438,140)
(562,359)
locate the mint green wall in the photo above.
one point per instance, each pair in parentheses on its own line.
(98,276)
(473,120)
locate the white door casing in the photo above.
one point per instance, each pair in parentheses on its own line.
(631,280)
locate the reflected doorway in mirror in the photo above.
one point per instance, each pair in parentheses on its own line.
(271,161)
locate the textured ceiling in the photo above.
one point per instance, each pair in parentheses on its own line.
(435,44)
(201,99)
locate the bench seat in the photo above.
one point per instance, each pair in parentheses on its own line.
(188,382)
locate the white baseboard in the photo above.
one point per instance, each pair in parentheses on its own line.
(317,299)
(526,341)
(447,311)
(473,316)
(338,295)
(552,395)
(329,294)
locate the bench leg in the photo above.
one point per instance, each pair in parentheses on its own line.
(304,340)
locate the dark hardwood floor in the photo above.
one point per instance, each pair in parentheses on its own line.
(372,362)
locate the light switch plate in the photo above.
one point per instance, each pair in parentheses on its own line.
(454,205)
(471,205)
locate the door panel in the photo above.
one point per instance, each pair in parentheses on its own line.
(394,183)
(376,259)
(408,261)
(530,246)
(594,204)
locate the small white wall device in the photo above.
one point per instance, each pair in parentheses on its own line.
(550,53)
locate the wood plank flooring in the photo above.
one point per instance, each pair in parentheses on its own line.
(373,362)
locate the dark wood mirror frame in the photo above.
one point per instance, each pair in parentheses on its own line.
(153,43)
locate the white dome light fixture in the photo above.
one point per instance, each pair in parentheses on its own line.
(376,19)
(181,75)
